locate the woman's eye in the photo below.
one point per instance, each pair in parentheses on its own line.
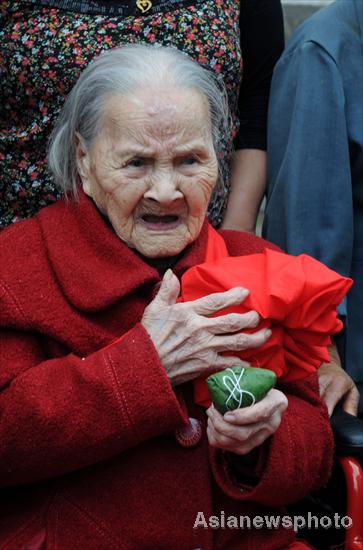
(189,161)
(136,163)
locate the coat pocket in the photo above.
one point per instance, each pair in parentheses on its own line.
(69,526)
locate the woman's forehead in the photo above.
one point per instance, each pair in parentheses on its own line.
(165,114)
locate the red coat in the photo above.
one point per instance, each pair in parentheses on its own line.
(87,434)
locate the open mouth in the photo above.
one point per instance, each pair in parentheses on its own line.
(153,221)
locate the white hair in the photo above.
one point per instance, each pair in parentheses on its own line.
(122,71)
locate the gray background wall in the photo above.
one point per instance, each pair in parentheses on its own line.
(295,11)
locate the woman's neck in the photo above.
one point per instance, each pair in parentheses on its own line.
(161,264)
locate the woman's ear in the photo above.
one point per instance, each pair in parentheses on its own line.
(83,164)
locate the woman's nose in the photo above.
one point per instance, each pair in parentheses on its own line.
(163,189)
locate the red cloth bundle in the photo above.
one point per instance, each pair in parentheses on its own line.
(296,297)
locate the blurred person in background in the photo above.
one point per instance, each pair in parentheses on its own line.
(315,166)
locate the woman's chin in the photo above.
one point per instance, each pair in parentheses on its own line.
(155,253)
(161,247)
(158,244)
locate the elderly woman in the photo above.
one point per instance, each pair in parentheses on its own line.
(97,451)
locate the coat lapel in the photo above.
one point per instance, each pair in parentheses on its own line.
(93,267)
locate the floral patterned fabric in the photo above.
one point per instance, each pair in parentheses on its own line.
(44,49)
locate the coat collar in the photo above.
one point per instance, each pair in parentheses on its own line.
(92,266)
(359,14)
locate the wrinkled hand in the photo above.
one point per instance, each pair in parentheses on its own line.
(336,385)
(241,430)
(188,341)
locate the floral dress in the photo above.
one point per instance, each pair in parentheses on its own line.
(44,46)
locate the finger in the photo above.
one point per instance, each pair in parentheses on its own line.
(331,399)
(335,388)
(232,322)
(220,439)
(212,439)
(256,441)
(351,401)
(239,447)
(192,368)
(262,411)
(223,429)
(241,341)
(219,300)
(324,382)
(242,433)
(217,440)
(222,362)
(331,392)
(168,291)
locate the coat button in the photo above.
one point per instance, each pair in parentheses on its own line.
(190,435)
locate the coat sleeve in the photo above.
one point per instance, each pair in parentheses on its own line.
(295,460)
(309,199)
(62,414)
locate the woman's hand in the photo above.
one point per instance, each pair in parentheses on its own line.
(188,341)
(336,386)
(241,430)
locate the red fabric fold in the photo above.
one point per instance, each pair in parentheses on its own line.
(296,296)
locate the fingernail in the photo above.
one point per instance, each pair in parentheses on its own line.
(229,416)
(168,274)
(244,293)
(268,332)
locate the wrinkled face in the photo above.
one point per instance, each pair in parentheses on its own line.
(152,168)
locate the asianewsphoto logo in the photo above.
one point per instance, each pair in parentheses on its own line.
(271,522)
